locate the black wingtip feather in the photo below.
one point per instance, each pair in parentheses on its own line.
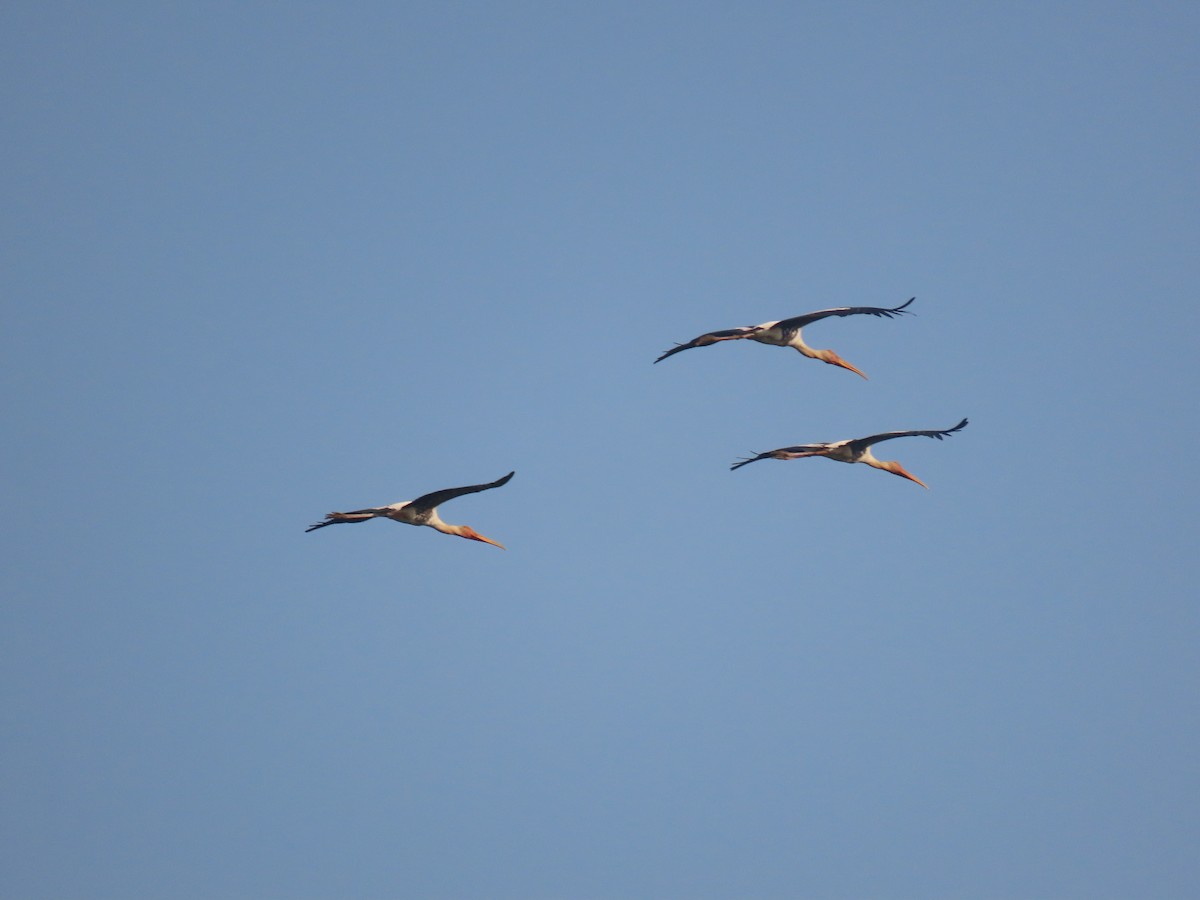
(670,352)
(949,431)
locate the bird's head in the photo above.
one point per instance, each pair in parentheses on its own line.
(896,469)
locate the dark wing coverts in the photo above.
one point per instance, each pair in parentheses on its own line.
(799,322)
(437,498)
(860,444)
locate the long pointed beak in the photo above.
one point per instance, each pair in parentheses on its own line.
(838,361)
(476,536)
(899,470)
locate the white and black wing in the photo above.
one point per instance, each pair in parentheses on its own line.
(348,518)
(794,324)
(860,444)
(437,498)
(798,452)
(713,337)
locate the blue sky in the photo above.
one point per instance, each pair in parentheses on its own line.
(263,261)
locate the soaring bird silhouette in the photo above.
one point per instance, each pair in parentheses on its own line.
(857,450)
(788,333)
(422,511)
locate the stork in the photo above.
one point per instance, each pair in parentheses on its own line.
(857,450)
(422,511)
(788,333)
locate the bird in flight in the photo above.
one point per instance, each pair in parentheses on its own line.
(854,451)
(422,511)
(787,333)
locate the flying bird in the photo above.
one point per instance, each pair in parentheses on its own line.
(422,511)
(788,333)
(854,451)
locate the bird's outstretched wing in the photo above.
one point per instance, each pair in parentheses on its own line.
(798,452)
(731,334)
(345,518)
(859,444)
(798,322)
(437,498)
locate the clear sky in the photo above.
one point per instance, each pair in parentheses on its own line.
(264,261)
